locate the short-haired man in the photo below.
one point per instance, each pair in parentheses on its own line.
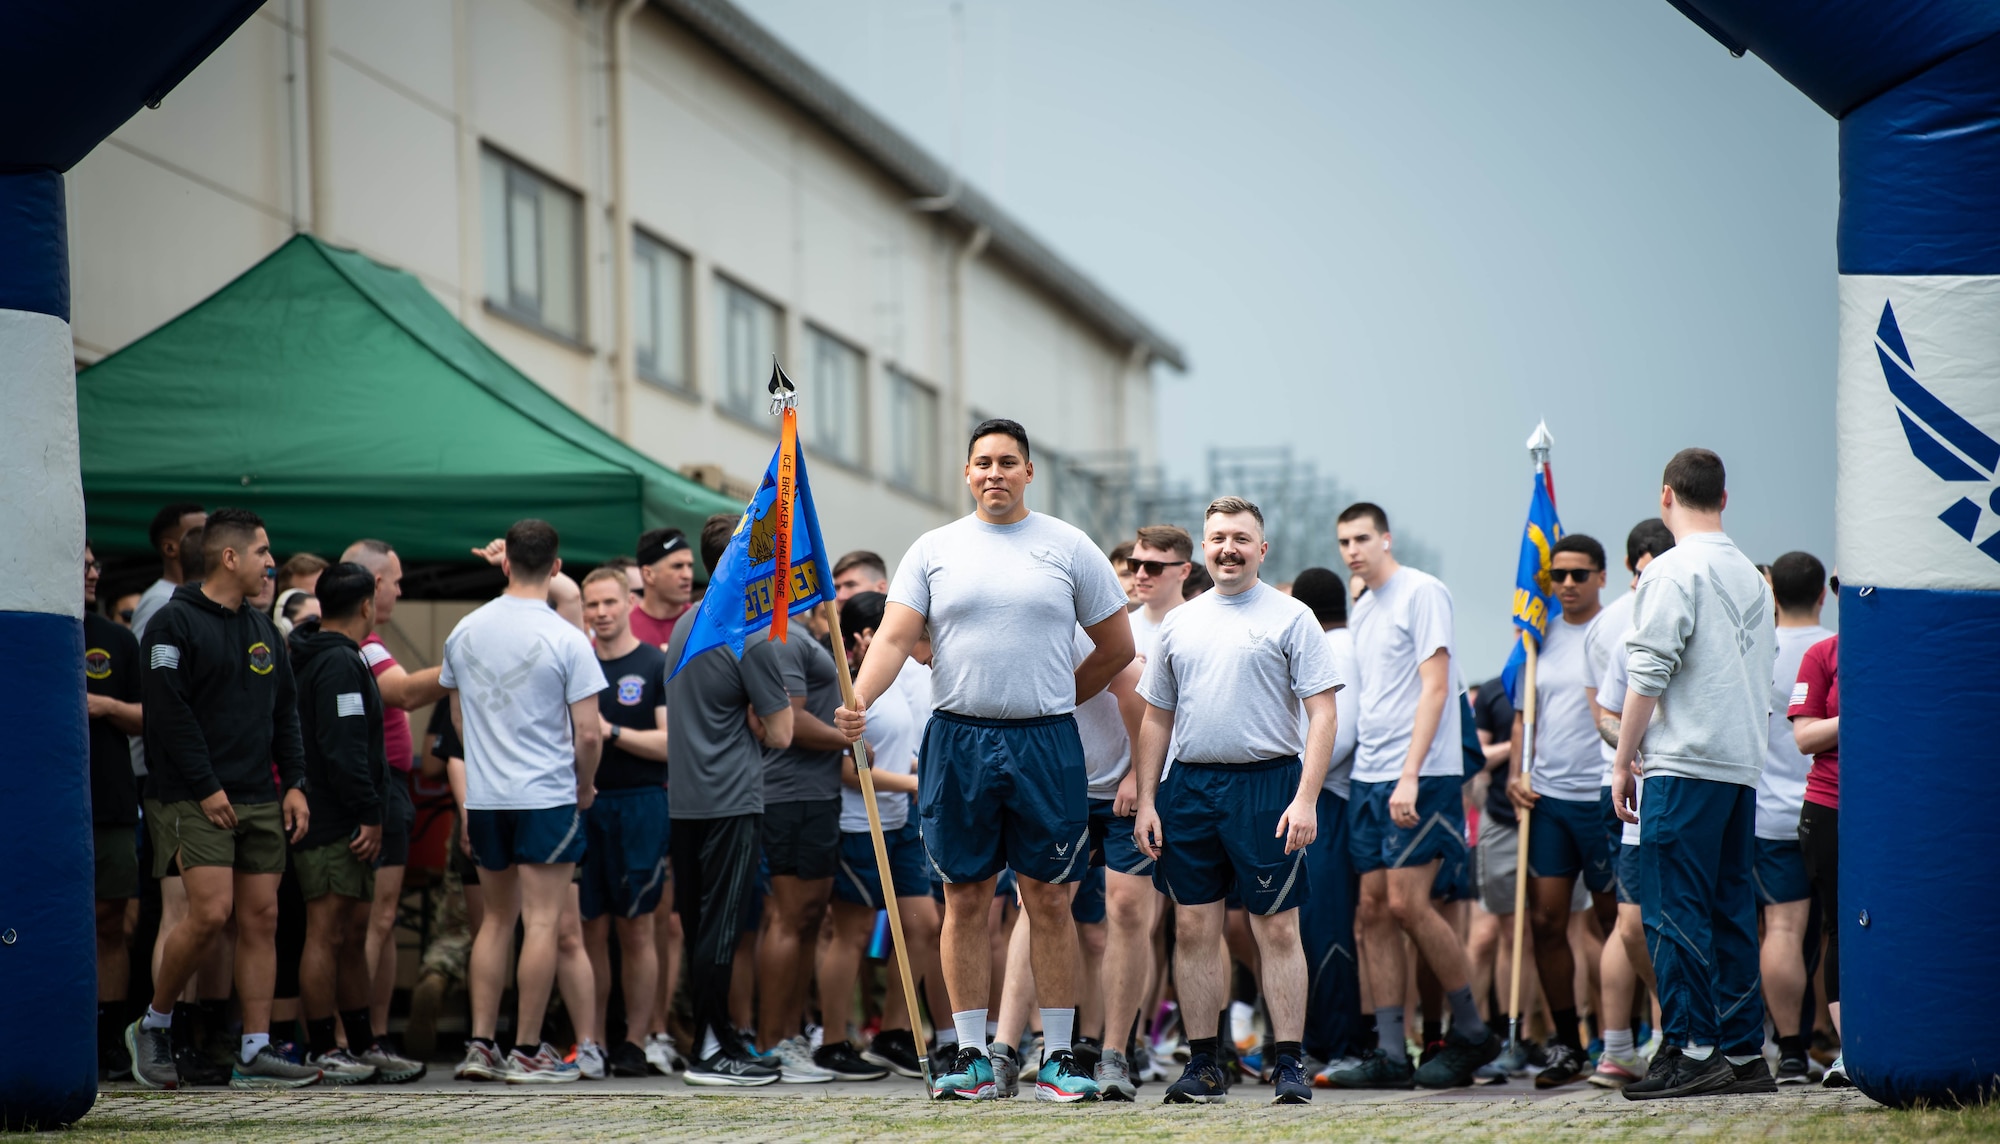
(523,686)
(1162,559)
(625,855)
(715,769)
(166,533)
(1700,655)
(1224,686)
(859,571)
(1002,779)
(1784,893)
(1326,919)
(111,699)
(1560,789)
(1120,553)
(1403,805)
(221,709)
(340,720)
(666,566)
(402,692)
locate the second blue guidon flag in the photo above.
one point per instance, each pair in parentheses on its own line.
(775,565)
(1535,606)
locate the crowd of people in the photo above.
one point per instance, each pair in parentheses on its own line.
(1148,819)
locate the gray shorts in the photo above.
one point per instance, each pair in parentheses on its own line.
(1498,854)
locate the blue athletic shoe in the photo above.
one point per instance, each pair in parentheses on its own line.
(1063,1080)
(1289,1083)
(970,1078)
(1202,1083)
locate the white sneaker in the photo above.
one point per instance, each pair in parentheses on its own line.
(795,1062)
(590,1060)
(815,1036)
(1324,1077)
(663,1054)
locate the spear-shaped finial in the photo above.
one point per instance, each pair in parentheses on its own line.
(1539,444)
(784,395)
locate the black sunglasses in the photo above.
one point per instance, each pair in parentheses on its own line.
(1152,567)
(1574,575)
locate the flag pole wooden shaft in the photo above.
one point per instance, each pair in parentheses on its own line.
(861,770)
(1526,817)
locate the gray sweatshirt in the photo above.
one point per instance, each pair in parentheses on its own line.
(1702,641)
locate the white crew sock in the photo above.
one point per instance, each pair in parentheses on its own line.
(253,1043)
(1618,1043)
(1057,1025)
(1698,1052)
(709,1045)
(948,1035)
(154,1019)
(1738,1061)
(971,1024)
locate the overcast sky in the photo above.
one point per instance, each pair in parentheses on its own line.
(1395,235)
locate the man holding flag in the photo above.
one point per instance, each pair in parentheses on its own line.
(1001,777)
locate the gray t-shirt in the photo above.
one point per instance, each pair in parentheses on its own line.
(1107,748)
(793,774)
(150,602)
(1232,669)
(1003,600)
(517,666)
(715,765)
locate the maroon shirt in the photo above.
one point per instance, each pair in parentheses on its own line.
(396,742)
(1817,696)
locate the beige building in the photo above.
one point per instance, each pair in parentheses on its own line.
(637,203)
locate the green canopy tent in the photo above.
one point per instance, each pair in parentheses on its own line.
(337,398)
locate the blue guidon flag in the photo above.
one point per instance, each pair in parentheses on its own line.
(1535,606)
(764,576)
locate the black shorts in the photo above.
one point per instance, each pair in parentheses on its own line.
(802,839)
(399,814)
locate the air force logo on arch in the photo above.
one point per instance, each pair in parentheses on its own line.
(1947,444)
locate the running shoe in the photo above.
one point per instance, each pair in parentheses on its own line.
(1566,1066)
(1674,1073)
(944,1057)
(795,1063)
(1088,1052)
(152,1053)
(1836,1074)
(1148,1068)
(1794,1070)
(199,1068)
(1203,1082)
(588,1057)
(269,1070)
(1324,1077)
(543,1066)
(1752,1077)
(1429,1052)
(895,1050)
(1617,1072)
(391,1067)
(840,1059)
(724,1069)
(1513,1060)
(968,1077)
(338,1067)
(1062,1079)
(1006,1070)
(483,1061)
(628,1059)
(663,1055)
(1377,1069)
(1453,1067)
(1289,1084)
(1114,1078)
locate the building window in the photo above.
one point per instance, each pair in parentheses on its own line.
(835,408)
(660,313)
(913,435)
(749,343)
(534,244)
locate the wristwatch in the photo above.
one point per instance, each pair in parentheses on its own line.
(615,729)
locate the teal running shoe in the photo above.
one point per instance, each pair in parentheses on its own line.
(1063,1080)
(970,1078)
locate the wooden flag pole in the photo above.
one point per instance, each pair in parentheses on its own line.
(1526,817)
(861,769)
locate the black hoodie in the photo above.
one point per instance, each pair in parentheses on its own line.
(220,705)
(340,719)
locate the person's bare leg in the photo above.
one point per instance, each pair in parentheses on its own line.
(574,978)
(1783,959)
(1283,972)
(1017,991)
(640,974)
(1409,893)
(920,933)
(1090,993)
(1618,985)
(326,930)
(1586,947)
(381,953)
(493,946)
(1130,903)
(597,945)
(1052,942)
(1201,968)
(256,948)
(1001,916)
(851,925)
(544,897)
(785,949)
(114,959)
(965,945)
(1482,947)
(1548,926)
(1382,936)
(667,941)
(743,984)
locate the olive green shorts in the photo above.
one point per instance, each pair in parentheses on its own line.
(255,846)
(333,869)
(117,862)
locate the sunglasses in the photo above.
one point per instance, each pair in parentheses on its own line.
(1151,567)
(1573,575)
(93,566)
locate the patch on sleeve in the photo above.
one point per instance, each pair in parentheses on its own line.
(1799,692)
(347,703)
(375,655)
(166,656)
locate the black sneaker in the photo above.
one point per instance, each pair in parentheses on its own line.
(840,1059)
(943,1058)
(1567,1065)
(1794,1070)
(1430,1053)
(1289,1083)
(1453,1067)
(1088,1052)
(1674,1073)
(724,1069)
(1203,1082)
(628,1059)
(1376,1070)
(1751,1077)
(895,1050)
(199,1068)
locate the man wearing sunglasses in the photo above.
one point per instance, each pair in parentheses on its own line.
(1561,788)
(1161,557)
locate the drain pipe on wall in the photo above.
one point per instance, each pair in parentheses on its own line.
(627,374)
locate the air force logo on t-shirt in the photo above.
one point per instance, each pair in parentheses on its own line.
(262,660)
(631,689)
(97,663)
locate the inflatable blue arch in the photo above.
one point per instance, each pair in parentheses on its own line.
(1916,87)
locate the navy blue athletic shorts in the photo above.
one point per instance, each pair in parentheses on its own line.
(545,837)
(624,863)
(1004,793)
(1087,908)
(1111,844)
(859,880)
(1567,839)
(1781,872)
(1220,824)
(1628,873)
(1374,840)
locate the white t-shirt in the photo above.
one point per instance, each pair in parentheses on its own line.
(1233,669)
(892,737)
(1603,642)
(1145,633)
(1107,747)
(517,666)
(914,681)
(1397,627)
(1002,600)
(1781,792)
(1340,773)
(1567,763)
(1611,697)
